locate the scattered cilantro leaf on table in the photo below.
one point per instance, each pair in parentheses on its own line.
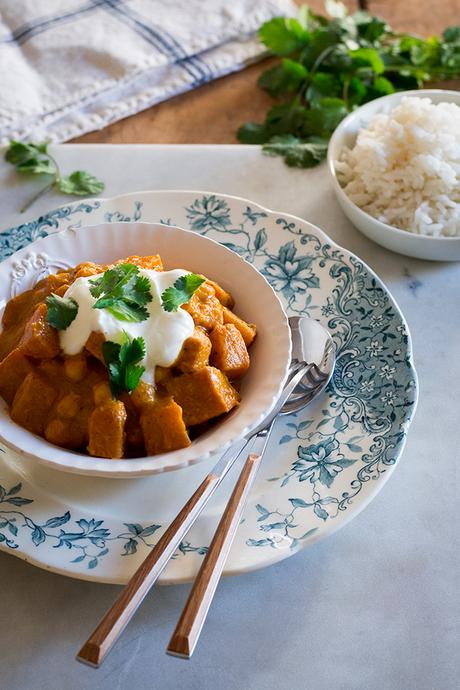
(32,158)
(297,154)
(122,362)
(330,65)
(181,292)
(61,311)
(80,183)
(123,292)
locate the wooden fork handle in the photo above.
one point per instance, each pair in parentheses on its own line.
(193,616)
(118,616)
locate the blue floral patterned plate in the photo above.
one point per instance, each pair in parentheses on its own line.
(323,465)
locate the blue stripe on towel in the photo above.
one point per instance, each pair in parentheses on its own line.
(26,31)
(164,42)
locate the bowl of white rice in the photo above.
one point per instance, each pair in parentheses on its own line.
(395,166)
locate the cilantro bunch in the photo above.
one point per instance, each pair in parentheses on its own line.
(330,66)
(32,158)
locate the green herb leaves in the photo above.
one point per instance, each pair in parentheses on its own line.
(283,36)
(61,311)
(122,362)
(32,158)
(333,64)
(297,154)
(80,183)
(123,292)
(35,158)
(181,291)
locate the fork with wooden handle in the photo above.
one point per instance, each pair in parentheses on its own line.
(120,613)
(118,616)
(194,614)
(187,632)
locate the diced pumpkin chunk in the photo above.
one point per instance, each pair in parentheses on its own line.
(57,282)
(195,352)
(142,395)
(203,394)
(40,340)
(66,432)
(247,330)
(133,431)
(87,269)
(222,295)
(21,308)
(229,352)
(51,369)
(152,263)
(204,307)
(13,370)
(107,430)
(32,403)
(163,427)
(162,374)
(94,345)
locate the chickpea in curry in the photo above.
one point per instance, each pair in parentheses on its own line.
(69,399)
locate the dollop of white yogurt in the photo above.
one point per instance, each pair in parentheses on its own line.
(164,332)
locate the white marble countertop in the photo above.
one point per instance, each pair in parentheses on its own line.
(374,607)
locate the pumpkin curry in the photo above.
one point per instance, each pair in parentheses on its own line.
(122,360)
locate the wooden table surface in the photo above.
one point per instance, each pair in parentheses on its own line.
(212,113)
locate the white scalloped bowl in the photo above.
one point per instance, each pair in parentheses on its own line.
(255,301)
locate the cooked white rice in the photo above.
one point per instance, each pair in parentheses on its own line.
(404,168)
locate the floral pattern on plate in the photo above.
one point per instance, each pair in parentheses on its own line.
(325,463)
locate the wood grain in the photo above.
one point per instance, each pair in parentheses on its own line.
(120,613)
(194,614)
(212,113)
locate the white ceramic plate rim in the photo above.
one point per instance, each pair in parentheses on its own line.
(453,97)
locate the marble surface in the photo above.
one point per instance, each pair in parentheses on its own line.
(375,606)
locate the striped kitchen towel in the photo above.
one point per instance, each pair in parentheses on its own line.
(71,66)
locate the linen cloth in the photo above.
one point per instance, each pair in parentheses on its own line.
(71,66)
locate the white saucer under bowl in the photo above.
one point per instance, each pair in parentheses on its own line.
(322,466)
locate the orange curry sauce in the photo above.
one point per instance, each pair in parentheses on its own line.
(67,399)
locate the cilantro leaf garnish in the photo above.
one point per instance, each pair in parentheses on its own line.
(123,292)
(28,157)
(122,362)
(180,293)
(61,311)
(328,66)
(112,279)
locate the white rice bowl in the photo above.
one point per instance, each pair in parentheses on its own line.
(404,169)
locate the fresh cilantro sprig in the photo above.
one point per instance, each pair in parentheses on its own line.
(61,311)
(122,362)
(181,291)
(328,66)
(33,158)
(123,292)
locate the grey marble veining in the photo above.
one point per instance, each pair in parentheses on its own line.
(374,607)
